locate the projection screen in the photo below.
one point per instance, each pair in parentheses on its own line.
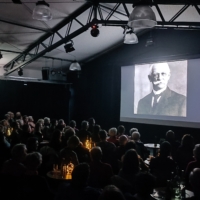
(164,93)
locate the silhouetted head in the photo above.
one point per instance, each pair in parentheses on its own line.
(121,130)
(187,141)
(130,163)
(111,192)
(103,135)
(72,123)
(123,140)
(196,152)
(80,175)
(145,183)
(19,152)
(96,153)
(195,182)
(165,149)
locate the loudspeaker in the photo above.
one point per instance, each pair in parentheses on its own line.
(45,73)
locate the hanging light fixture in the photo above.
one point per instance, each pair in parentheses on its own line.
(20,71)
(95,31)
(75,66)
(142,16)
(42,11)
(69,47)
(130,37)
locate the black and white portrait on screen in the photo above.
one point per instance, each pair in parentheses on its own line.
(161,89)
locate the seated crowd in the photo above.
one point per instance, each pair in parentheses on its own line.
(114,167)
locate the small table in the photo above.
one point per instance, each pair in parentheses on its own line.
(153,146)
(159,194)
(56,175)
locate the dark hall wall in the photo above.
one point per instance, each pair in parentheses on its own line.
(97,91)
(36,99)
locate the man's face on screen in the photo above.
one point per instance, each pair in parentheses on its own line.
(160,75)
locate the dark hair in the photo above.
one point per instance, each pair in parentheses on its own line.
(130,162)
(165,149)
(73,141)
(68,133)
(130,145)
(91,121)
(97,128)
(145,183)
(56,135)
(102,134)
(111,192)
(121,129)
(96,153)
(187,141)
(72,123)
(80,175)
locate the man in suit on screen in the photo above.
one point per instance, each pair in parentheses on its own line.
(162,100)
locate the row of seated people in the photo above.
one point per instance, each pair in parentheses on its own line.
(20,178)
(113,148)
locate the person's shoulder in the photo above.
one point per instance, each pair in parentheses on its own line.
(148,96)
(177,95)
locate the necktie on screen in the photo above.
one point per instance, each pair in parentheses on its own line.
(155,101)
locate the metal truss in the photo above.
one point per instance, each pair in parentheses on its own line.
(99,13)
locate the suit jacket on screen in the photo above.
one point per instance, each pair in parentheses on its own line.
(171,103)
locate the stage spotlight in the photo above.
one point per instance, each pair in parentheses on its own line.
(69,47)
(20,71)
(95,31)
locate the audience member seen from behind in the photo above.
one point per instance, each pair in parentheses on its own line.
(121,149)
(83,134)
(81,151)
(16,134)
(130,166)
(91,122)
(78,187)
(38,132)
(184,154)
(170,137)
(32,145)
(108,148)
(33,185)
(162,166)
(120,131)
(67,154)
(194,164)
(4,149)
(113,136)
(55,141)
(195,183)
(15,166)
(68,133)
(125,180)
(72,124)
(95,134)
(100,173)
(140,148)
(45,129)
(145,184)
(111,192)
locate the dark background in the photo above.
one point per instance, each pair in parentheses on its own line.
(96,93)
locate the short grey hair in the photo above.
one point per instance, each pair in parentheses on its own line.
(135,135)
(112,131)
(132,130)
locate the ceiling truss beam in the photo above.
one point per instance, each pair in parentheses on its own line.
(20,62)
